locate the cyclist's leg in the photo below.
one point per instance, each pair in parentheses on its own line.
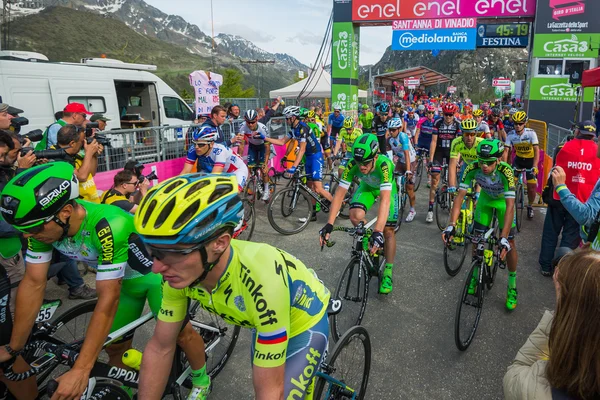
(314,168)
(436,169)
(511,258)
(390,242)
(131,305)
(22,390)
(362,201)
(382,144)
(304,355)
(252,156)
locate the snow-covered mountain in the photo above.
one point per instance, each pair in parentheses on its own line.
(150,21)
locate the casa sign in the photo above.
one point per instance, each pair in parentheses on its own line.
(365,11)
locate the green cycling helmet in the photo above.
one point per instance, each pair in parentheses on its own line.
(36,195)
(303,112)
(365,148)
(468,125)
(365,106)
(348,122)
(490,149)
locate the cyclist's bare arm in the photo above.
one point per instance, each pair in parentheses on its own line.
(432,147)
(268,382)
(336,204)
(187,168)
(300,154)
(536,155)
(73,383)
(157,360)
(452,165)
(30,296)
(407,159)
(417,135)
(508,217)
(457,206)
(278,142)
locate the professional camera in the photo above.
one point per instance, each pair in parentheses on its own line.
(89,128)
(100,138)
(137,169)
(52,154)
(17,123)
(35,136)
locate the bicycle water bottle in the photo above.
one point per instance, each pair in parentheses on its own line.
(488,256)
(132,358)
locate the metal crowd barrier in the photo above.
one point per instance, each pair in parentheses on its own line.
(154,144)
(556,136)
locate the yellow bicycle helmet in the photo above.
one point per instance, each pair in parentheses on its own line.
(189,209)
(311,114)
(468,124)
(520,117)
(348,122)
(478,113)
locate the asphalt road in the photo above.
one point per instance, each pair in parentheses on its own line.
(412,329)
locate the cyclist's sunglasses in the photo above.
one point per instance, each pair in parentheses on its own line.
(251,122)
(448,115)
(520,123)
(161,253)
(469,133)
(365,163)
(393,129)
(487,162)
(430,112)
(201,144)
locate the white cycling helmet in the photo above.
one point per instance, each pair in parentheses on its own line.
(251,115)
(394,123)
(512,111)
(291,111)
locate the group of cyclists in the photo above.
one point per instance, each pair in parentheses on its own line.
(179,244)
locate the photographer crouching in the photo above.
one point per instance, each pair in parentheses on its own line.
(126,184)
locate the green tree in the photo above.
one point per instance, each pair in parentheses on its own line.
(298,79)
(185,94)
(232,85)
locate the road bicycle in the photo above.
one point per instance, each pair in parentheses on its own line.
(421,170)
(255,186)
(480,278)
(344,375)
(353,286)
(402,197)
(443,200)
(520,194)
(291,209)
(47,350)
(455,251)
(246,229)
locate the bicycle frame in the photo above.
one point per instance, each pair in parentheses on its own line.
(340,388)
(297,183)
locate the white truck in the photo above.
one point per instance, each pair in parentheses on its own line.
(128,94)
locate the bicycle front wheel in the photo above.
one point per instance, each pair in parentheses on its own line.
(443,206)
(468,311)
(219,340)
(290,211)
(520,206)
(353,291)
(350,364)
(419,174)
(247,229)
(401,211)
(455,252)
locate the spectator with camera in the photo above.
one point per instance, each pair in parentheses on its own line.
(84,154)
(101,120)
(73,114)
(126,183)
(7,114)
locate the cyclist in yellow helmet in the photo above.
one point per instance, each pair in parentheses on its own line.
(348,135)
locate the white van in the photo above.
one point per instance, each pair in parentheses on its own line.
(128,94)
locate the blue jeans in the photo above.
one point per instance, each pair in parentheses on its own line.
(66,270)
(557,219)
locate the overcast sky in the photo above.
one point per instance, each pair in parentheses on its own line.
(295,27)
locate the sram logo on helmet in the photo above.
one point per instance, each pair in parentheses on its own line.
(54,195)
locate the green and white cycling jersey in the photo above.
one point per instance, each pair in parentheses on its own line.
(381,178)
(106,241)
(499,184)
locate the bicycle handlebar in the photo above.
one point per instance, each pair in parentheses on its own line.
(57,351)
(358,230)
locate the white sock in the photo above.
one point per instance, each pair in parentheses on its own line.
(266,186)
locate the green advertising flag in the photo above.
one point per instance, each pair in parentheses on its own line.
(566,45)
(557,89)
(345,66)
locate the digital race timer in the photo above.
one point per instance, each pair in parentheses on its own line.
(503,30)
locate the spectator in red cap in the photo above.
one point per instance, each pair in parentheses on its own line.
(73,114)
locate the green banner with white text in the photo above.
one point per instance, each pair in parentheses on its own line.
(345,66)
(557,89)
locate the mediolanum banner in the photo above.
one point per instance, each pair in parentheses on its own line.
(566,45)
(556,89)
(440,39)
